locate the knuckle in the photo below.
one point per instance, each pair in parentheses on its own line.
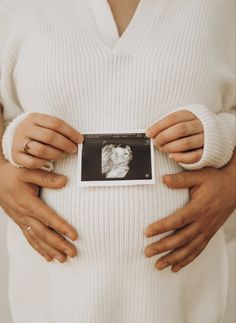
(45,219)
(62,225)
(182,220)
(43,235)
(48,135)
(41,150)
(160,139)
(22,206)
(192,249)
(183,129)
(185,239)
(204,237)
(187,143)
(173,117)
(171,258)
(34,239)
(162,246)
(31,163)
(56,124)
(31,117)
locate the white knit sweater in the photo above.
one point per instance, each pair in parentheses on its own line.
(66,58)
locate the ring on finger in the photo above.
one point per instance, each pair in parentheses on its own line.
(26,146)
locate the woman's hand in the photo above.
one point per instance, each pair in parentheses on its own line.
(212,201)
(181,135)
(19,199)
(50,139)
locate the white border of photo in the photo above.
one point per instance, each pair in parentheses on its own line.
(81,183)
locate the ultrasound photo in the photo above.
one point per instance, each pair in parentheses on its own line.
(108,159)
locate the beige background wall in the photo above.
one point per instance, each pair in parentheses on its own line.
(231,243)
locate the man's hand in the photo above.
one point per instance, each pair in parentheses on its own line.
(212,201)
(19,198)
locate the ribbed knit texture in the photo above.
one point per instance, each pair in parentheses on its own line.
(54,59)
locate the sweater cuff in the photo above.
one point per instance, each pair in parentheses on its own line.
(7,142)
(219,141)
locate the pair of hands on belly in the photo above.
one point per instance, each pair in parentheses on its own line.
(180,135)
(194,224)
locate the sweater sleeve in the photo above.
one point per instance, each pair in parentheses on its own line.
(219,136)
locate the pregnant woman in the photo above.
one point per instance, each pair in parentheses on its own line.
(108,66)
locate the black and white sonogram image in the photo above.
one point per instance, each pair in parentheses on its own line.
(116,159)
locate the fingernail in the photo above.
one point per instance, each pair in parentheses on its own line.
(59,258)
(149,233)
(49,259)
(74,150)
(81,138)
(161,266)
(148,133)
(70,253)
(151,253)
(170,156)
(71,236)
(175,269)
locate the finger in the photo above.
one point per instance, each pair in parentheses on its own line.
(187,157)
(35,245)
(180,254)
(180,130)
(176,220)
(45,152)
(58,125)
(184,144)
(50,218)
(174,241)
(52,138)
(52,238)
(52,252)
(168,121)
(183,180)
(29,161)
(44,178)
(189,259)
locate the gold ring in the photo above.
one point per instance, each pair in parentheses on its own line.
(26,146)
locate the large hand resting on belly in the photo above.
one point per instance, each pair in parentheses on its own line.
(212,202)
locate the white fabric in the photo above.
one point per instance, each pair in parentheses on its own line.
(54,59)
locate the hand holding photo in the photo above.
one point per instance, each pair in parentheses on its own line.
(108,159)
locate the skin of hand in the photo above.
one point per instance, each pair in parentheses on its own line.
(27,209)
(212,201)
(180,135)
(51,139)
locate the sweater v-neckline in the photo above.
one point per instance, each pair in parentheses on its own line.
(134,33)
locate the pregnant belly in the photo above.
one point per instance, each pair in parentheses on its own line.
(111,220)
